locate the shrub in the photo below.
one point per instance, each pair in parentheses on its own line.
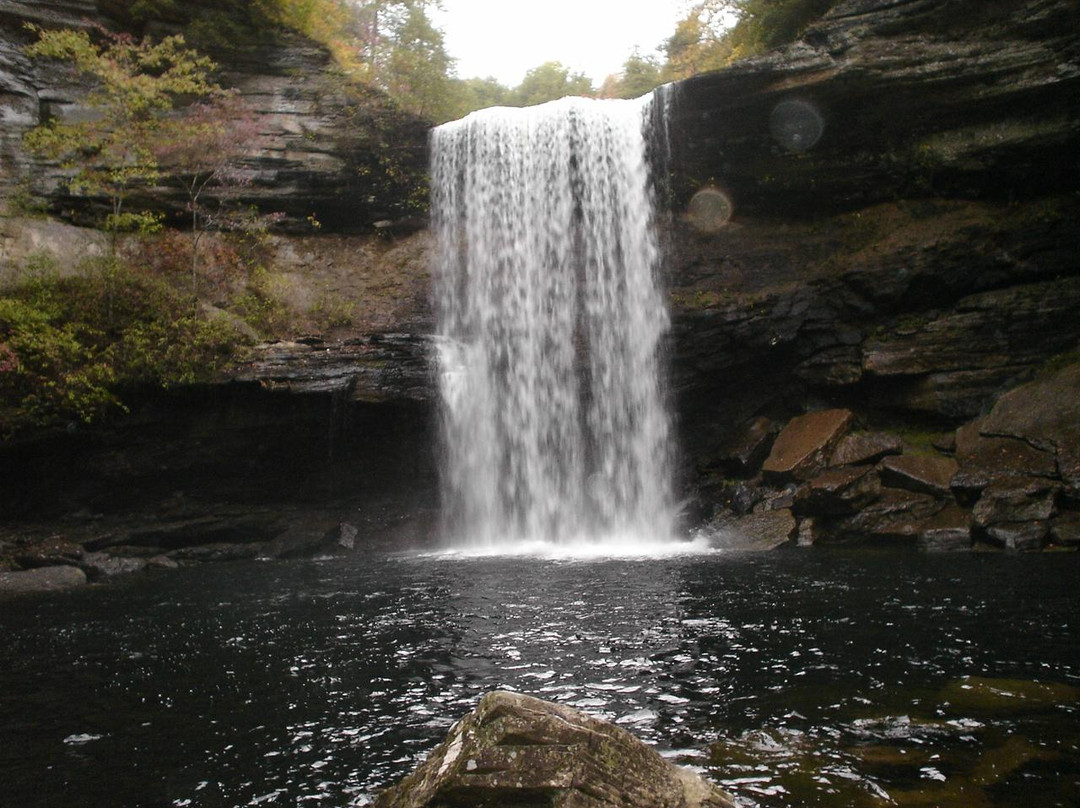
(69,346)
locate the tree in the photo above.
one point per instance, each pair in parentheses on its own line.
(698,43)
(639,75)
(419,67)
(550,81)
(475,93)
(203,149)
(136,84)
(716,33)
(401,51)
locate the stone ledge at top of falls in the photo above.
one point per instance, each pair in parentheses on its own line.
(337,153)
(519,750)
(373,369)
(974,99)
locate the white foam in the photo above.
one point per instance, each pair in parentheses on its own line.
(578,549)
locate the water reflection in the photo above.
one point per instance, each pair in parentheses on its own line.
(809,679)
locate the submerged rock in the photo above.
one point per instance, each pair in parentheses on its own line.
(515,750)
(981,695)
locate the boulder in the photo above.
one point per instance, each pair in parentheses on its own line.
(102,565)
(921,474)
(1019,536)
(234,525)
(948,531)
(745,453)
(807,532)
(839,491)
(1016,499)
(309,539)
(43,579)
(762,530)
(1065,529)
(864,447)
(515,750)
(897,516)
(48,552)
(738,496)
(983,460)
(218,551)
(803,446)
(1045,414)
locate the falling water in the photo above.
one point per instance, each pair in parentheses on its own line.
(551,320)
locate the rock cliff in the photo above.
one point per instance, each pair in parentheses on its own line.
(902,233)
(330,152)
(897,241)
(917,253)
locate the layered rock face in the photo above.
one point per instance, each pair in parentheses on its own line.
(919,253)
(330,155)
(903,240)
(275,460)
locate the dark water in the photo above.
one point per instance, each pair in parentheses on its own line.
(794,678)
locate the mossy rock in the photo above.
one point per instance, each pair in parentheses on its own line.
(989,696)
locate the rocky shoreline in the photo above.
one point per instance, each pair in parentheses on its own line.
(1005,481)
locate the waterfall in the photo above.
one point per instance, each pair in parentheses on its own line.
(550,323)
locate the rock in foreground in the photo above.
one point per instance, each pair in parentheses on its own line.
(45,579)
(518,750)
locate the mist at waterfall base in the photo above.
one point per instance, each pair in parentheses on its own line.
(556,434)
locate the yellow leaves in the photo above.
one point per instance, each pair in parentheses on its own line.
(134,78)
(324,21)
(136,83)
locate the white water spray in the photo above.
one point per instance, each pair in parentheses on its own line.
(551,319)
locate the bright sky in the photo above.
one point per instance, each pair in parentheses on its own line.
(505,38)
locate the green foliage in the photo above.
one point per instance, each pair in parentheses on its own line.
(718,32)
(202,151)
(764,25)
(418,68)
(476,93)
(696,46)
(640,75)
(550,81)
(70,345)
(136,84)
(396,47)
(245,24)
(332,311)
(262,304)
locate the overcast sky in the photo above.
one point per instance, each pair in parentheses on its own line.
(505,38)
